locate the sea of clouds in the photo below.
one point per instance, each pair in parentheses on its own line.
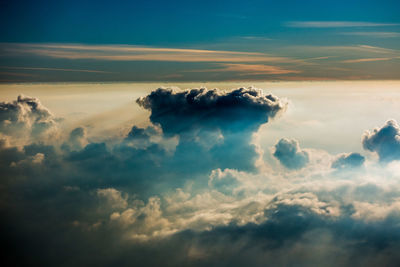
(194,189)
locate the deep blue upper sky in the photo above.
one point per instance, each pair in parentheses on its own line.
(267,26)
(173,22)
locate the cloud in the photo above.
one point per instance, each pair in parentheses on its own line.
(54,69)
(373,34)
(348,161)
(77,139)
(237,110)
(297,62)
(113,198)
(25,117)
(210,123)
(142,133)
(199,204)
(253,69)
(360,60)
(138,53)
(384,141)
(290,155)
(249,69)
(224,182)
(336,24)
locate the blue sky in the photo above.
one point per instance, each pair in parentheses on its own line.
(176,22)
(315,40)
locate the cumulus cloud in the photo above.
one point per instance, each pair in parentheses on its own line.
(385,141)
(113,197)
(143,137)
(77,139)
(290,155)
(141,133)
(223,181)
(25,117)
(350,160)
(213,126)
(237,110)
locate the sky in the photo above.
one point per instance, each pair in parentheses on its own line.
(200,133)
(62,41)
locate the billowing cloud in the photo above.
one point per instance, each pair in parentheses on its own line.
(384,141)
(348,161)
(290,155)
(113,198)
(25,117)
(224,182)
(237,110)
(210,123)
(77,139)
(141,133)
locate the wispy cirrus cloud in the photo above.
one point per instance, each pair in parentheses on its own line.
(373,34)
(140,53)
(335,24)
(54,69)
(299,61)
(343,50)
(257,38)
(248,69)
(16,74)
(360,60)
(256,69)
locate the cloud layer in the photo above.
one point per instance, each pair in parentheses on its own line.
(186,190)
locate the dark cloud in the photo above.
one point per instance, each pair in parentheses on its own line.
(291,236)
(26,115)
(142,133)
(238,110)
(384,141)
(143,137)
(215,126)
(348,161)
(290,155)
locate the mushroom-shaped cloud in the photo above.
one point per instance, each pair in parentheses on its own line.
(243,109)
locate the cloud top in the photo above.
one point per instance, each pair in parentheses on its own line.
(290,155)
(240,109)
(385,141)
(25,116)
(344,161)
